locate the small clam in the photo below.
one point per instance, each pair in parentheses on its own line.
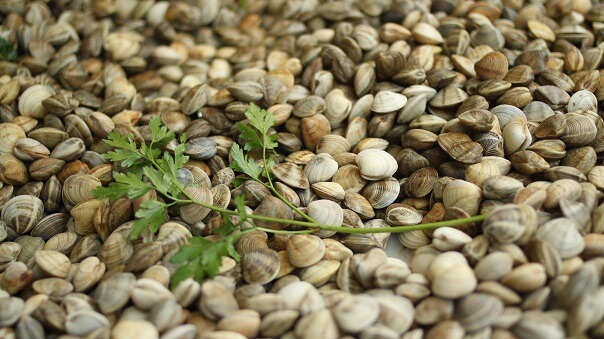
(376,164)
(22,213)
(291,175)
(113,293)
(387,101)
(193,213)
(260,266)
(30,102)
(305,250)
(10,134)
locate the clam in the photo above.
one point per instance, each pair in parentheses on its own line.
(12,308)
(493,266)
(460,147)
(387,101)
(325,212)
(291,175)
(78,188)
(10,134)
(381,193)
(260,266)
(116,250)
(320,273)
(321,167)
(22,213)
(30,102)
(192,213)
(53,263)
(355,313)
(305,250)
(376,164)
(525,278)
(511,223)
(477,311)
(492,66)
(562,234)
(516,135)
(12,170)
(463,195)
(454,282)
(216,300)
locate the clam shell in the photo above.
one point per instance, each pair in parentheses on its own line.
(9,136)
(22,213)
(53,263)
(30,102)
(387,101)
(562,235)
(463,195)
(291,175)
(304,250)
(492,66)
(78,188)
(321,167)
(376,164)
(382,193)
(193,213)
(477,311)
(460,147)
(260,266)
(325,212)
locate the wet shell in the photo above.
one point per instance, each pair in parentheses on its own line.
(30,102)
(492,66)
(382,193)
(321,167)
(9,136)
(563,236)
(114,292)
(325,212)
(387,101)
(291,175)
(376,164)
(460,147)
(304,250)
(260,266)
(22,213)
(78,188)
(193,213)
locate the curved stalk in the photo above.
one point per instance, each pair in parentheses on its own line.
(311,224)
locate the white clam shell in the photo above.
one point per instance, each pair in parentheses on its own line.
(326,212)
(30,103)
(376,164)
(387,101)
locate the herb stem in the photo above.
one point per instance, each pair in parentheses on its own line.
(343,229)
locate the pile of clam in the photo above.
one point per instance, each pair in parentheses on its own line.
(388,113)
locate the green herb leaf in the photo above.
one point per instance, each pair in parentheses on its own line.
(125,184)
(201,258)
(8,51)
(244,164)
(151,214)
(262,121)
(160,135)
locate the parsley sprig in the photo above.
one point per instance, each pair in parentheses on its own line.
(8,52)
(151,167)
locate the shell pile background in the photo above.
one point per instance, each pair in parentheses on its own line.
(388,112)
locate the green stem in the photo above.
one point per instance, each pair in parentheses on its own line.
(342,229)
(268,230)
(311,224)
